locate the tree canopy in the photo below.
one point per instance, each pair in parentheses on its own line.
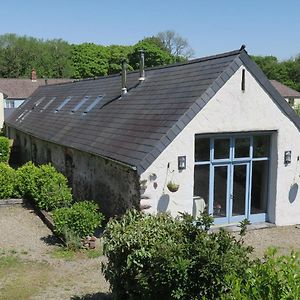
(286,72)
(58,59)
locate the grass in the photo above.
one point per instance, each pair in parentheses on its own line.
(21,279)
(69,255)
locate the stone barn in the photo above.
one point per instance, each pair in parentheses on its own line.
(208,134)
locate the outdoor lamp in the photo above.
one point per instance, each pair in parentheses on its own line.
(181,162)
(287,157)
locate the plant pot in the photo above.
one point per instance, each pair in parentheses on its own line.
(173,187)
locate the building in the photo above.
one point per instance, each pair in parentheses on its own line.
(211,133)
(14,91)
(290,95)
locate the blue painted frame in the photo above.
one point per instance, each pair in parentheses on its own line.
(230,163)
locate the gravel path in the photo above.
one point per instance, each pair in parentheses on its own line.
(21,230)
(285,239)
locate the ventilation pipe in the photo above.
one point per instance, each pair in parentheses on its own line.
(142,66)
(124,75)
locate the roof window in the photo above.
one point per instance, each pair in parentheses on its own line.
(66,101)
(85,98)
(93,104)
(48,103)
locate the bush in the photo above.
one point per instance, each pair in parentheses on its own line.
(273,278)
(27,177)
(52,189)
(158,257)
(81,219)
(4,149)
(7,182)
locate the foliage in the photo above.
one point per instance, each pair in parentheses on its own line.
(27,177)
(72,239)
(286,72)
(89,60)
(275,278)
(116,54)
(52,189)
(159,257)
(19,54)
(297,110)
(154,55)
(7,182)
(175,44)
(4,149)
(81,219)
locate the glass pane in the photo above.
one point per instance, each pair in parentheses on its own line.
(261,145)
(239,190)
(222,147)
(220,192)
(242,147)
(201,189)
(259,195)
(202,149)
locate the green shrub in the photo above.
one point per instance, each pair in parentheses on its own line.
(297,110)
(82,218)
(52,189)
(159,257)
(27,177)
(276,278)
(7,182)
(4,149)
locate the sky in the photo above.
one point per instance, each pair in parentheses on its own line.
(266,27)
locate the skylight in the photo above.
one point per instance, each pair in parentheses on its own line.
(38,102)
(85,98)
(93,104)
(48,103)
(67,100)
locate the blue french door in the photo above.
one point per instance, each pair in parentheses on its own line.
(230,192)
(231,175)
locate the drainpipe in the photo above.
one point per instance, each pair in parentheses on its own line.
(142,66)
(124,74)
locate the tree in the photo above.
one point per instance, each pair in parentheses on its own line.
(154,55)
(19,54)
(89,60)
(175,44)
(116,53)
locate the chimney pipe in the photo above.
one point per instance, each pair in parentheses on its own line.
(124,75)
(142,66)
(33,75)
(46,81)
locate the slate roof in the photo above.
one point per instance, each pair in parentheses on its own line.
(15,88)
(137,127)
(284,90)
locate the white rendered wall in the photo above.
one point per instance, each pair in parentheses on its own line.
(1,110)
(232,110)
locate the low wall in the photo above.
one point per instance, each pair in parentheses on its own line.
(113,185)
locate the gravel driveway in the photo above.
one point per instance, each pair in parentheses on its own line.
(22,231)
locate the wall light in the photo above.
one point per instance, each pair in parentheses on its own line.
(287,157)
(181,162)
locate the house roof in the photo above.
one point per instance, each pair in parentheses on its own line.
(284,90)
(15,88)
(133,129)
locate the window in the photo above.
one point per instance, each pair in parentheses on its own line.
(66,101)
(48,103)
(85,99)
(93,104)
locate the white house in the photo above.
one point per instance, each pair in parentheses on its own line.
(214,126)
(290,95)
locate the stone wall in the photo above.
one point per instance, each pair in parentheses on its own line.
(113,185)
